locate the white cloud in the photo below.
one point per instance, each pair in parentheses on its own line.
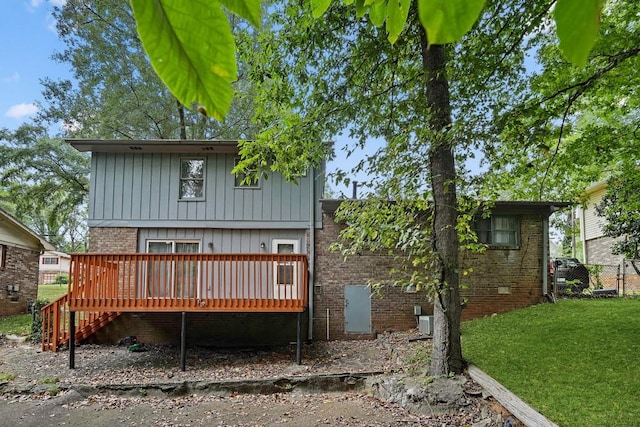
(36,3)
(12,78)
(58,3)
(21,110)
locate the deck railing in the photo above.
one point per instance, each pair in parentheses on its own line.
(188,282)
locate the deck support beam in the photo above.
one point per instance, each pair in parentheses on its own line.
(299,340)
(72,340)
(183,342)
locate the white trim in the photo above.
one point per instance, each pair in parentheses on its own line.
(285,290)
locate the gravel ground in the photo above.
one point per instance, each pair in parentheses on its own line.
(38,387)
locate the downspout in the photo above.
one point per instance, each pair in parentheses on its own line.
(545,255)
(312,247)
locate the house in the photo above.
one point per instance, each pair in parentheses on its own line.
(20,249)
(596,247)
(180,249)
(52,265)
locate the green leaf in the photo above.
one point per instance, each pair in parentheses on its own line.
(318,7)
(361,9)
(246,9)
(378,12)
(577,24)
(192,49)
(448,20)
(397,12)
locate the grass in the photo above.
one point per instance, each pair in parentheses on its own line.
(51,292)
(21,323)
(576,361)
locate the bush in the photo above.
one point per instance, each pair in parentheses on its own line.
(62,279)
(36,323)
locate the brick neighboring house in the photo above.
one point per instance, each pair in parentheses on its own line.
(182,248)
(20,249)
(52,265)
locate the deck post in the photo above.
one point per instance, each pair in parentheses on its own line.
(183,342)
(299,340)
(72,340)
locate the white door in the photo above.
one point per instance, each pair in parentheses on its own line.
(285,273)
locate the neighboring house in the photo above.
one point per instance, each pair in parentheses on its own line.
(596,246)
(179,248)
(52,265)
(20,249)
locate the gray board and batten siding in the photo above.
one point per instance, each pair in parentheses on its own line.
(136,184)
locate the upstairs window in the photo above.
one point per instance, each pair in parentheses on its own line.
(191,179)
(50,260)
(239,178)
(499,231)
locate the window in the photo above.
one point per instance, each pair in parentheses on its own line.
(191,179)
(240,177)
(175,278)
(285,272)
(3,256)
(499,231)
(50,260)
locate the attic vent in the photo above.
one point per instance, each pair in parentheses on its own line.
(207,148)
(135,147)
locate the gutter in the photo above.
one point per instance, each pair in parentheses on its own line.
(312,248)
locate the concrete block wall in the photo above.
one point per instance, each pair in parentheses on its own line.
(21,271)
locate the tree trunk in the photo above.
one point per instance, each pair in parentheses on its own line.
(183,124)
(447,350)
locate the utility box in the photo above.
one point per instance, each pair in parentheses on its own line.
(425,325)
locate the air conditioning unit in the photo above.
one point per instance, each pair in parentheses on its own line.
(425,325)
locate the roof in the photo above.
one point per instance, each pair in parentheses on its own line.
(44,245)
(58,254)
(503,206)
(154,146)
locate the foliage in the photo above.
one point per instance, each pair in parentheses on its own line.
(174,34)
(568,360)
(62,279)
(620,207)
(571,126)
(36,320)
(45,185)
(115,93)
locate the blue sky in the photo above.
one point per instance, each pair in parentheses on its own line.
(29,39)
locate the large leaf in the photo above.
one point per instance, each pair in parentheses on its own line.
(192,49)
(247,9)
(577,23)
(318,7)
(448,20)
(397,12)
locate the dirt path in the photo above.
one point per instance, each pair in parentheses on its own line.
(112,386)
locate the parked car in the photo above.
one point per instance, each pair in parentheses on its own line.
(569,275)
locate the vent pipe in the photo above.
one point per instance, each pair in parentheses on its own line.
(355,190)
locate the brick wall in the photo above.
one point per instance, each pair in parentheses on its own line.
(392,310)
(501,280)
(21,270)
(505,279)
(113,239)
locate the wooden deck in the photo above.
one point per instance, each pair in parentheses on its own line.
(188,282)
(102,286)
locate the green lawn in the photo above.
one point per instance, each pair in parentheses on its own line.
(577,361)
(21,324)
(51,292)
